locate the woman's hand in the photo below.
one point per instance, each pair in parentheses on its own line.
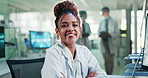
(92,74)
(63,75)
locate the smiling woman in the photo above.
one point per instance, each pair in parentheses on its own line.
(67,59)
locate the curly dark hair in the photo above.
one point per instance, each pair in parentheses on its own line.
(65,7)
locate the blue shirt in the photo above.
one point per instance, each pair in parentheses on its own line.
(59,59)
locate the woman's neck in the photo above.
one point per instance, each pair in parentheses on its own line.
(72,48)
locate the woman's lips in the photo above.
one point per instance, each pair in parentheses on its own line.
(71,35)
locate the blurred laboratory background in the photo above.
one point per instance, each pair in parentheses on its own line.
(27,29)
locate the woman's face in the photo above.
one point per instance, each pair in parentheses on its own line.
(68,29)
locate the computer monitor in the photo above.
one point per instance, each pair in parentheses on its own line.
(145,52)
(2,42)
(40,39)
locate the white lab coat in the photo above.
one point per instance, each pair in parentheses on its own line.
(59,59)
(113,30)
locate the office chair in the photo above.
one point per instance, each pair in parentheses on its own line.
(30,68)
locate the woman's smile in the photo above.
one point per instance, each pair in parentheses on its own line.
(71,35)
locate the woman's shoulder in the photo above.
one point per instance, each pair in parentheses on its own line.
(81,46)
(84,52)
(83,49)
(56,48)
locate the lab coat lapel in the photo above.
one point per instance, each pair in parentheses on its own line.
(80,59)
(68,59)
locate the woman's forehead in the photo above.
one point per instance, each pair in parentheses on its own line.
(68,17)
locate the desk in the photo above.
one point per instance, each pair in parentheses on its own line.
(137,72)
(119,76)
(138,69)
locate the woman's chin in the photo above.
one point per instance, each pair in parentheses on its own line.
(71,41)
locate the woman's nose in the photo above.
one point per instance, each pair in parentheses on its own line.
(70,28)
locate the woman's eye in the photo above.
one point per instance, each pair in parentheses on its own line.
(75,25)
(63,25)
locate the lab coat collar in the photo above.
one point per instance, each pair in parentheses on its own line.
(66,52)
(70,60)
(78,53)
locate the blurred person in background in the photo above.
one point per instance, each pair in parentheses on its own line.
(85,31)
(109,33)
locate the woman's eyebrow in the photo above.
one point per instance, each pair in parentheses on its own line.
(74,21)
(64,22)
(67,22)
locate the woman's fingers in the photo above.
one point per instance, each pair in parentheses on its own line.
(92,74)
(63,75)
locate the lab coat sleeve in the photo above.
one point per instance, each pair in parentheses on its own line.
(116,30)
(93,66)
(52,65)
(116,34)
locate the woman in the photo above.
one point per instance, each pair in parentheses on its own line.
(66,59)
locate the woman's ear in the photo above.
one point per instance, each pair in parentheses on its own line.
(57,31)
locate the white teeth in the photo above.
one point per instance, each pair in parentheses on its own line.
(70,34)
